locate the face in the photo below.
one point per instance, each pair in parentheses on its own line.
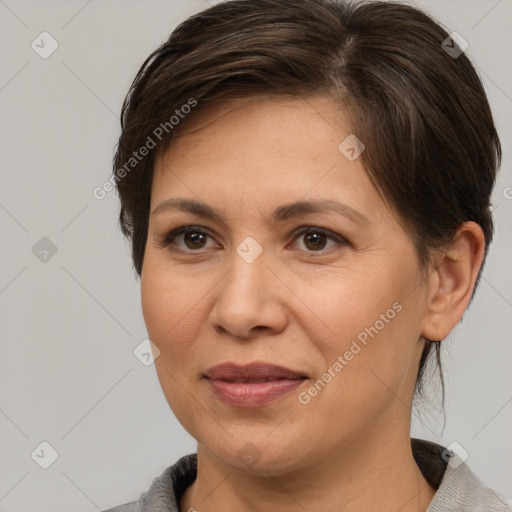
(293,264)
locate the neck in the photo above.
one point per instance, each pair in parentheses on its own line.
(364,476)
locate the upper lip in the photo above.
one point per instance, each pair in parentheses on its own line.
(252,371)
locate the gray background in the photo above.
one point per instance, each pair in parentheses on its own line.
(69,325)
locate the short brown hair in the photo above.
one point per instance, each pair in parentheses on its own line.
(432,149)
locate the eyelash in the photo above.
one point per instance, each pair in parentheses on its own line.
(167,240)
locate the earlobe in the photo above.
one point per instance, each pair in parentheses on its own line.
(452,280)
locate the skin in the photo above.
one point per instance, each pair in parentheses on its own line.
(349,448)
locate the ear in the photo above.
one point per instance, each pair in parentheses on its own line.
(452,281)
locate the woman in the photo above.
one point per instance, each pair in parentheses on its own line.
(306,186)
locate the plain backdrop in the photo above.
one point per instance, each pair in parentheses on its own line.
(70,304)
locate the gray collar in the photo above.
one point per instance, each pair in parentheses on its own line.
(458,489)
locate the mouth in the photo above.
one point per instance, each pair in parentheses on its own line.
(253,385)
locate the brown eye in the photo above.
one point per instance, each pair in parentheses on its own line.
(317,239)
(194,240)
(187,238)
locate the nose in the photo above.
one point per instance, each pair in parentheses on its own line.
(249,300)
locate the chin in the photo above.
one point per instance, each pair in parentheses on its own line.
(260,455)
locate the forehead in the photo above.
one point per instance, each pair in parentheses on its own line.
(281,121)
(264,149)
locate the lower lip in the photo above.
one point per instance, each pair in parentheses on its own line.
(253,394)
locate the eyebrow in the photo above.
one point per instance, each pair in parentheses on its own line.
(280,214)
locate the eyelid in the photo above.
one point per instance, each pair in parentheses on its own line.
(319,229)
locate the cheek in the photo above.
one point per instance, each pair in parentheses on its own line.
(346,304)
(175,309)
(170,312)
(167,307)
(370,322)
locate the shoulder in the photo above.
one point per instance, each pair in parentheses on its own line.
(461,490)
(134,506)
(165,490)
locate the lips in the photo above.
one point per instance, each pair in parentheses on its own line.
(251,372)
(253,385)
